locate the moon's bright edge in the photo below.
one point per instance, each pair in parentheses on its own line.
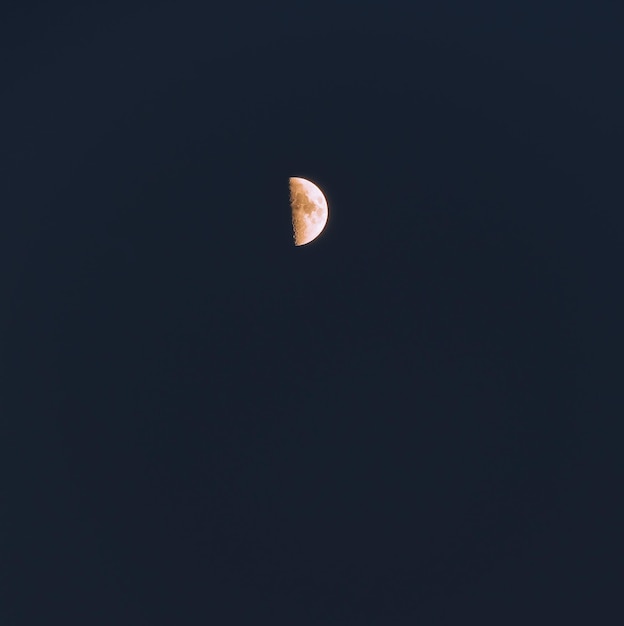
(309,210)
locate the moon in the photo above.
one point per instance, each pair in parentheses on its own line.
(309,210)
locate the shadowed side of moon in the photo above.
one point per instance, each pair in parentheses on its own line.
(309,210)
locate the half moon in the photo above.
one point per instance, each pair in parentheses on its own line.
(309,210)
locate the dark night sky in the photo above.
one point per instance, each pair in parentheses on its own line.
(413,420)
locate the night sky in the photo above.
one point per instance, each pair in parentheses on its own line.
(415,419)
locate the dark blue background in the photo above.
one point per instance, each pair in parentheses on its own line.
(413,419)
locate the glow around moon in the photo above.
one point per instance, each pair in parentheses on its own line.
(309,210)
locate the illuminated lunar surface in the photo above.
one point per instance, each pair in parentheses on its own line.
(309,210)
